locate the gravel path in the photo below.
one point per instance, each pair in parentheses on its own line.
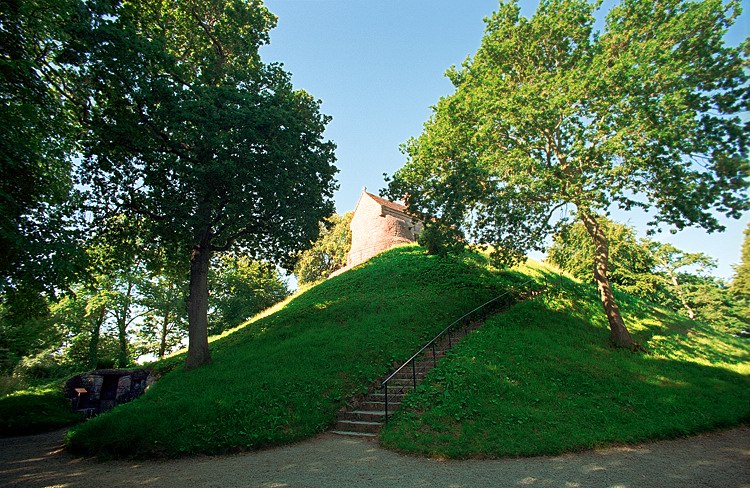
(720,459)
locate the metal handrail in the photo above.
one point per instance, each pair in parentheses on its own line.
(431,343)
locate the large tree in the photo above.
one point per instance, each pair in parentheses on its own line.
(549,114)
(37,235)
(188,128)
(631,264)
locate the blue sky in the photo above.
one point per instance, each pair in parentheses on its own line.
(378,67)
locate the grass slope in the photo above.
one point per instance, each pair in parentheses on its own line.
(284,376)
(541,379)
(35,409)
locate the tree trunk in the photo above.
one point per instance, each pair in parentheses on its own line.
(163,338)
(619,334)
(678,290)
(197,305)
(96,327)
(122,325)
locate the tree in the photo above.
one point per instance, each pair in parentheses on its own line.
(631,264)
(670,260)
(189,129)
(550,114)
(164,296)
(741,280)
(740,287)
(242,288)
(37,233)
(328,253)
(646,268)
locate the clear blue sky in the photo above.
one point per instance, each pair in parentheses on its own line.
(378,68)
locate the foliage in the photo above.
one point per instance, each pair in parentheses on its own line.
(24,326)
(655,271)
(740,287)
(241,288)
(283,376)
(631,263)
(550,114)
(35,410)
(189,129)
(37,231)
(538,381)
(669,261)
(165,324)
(328,253)
(741,279)
(11,383)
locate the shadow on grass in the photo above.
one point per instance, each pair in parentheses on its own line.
(542,379)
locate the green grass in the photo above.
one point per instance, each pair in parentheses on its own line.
(537,379)
(284,376)
(541,379)
(35,409)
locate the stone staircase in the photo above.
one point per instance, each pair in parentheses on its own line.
(366,416)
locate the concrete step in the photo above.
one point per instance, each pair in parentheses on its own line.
(406,374)
(354,434)
(364,415)
(392,397)
(408,382)
(379,406)
(358,426)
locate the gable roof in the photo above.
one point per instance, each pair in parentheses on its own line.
(387,203)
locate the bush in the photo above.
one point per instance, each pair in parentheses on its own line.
(34,411)
(44,365)
(10,384)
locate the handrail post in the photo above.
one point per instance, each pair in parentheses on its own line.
(414,373)
(434,359)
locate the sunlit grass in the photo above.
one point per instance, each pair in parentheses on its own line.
(34,409)
(542,379)
(283,376)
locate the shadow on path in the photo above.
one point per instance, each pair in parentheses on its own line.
(720,459)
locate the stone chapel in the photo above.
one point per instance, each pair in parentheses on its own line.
(377,225)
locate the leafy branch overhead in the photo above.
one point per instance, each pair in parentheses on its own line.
(550,114)
(187,128)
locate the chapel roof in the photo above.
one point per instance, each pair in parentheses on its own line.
(387,203)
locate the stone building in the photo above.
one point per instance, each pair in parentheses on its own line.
(377,225)
(100,390)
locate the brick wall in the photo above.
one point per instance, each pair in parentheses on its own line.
(376,228)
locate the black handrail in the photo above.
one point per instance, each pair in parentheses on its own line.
(431,343)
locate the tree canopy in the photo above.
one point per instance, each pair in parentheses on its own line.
(240,288)
(549,114)
(38,135)
(328,253)
(189,129)
(630,262)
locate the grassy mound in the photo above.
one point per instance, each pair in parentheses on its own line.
(34,410)
(541,379)
(283,377)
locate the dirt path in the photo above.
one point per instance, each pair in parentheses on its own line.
(719,459)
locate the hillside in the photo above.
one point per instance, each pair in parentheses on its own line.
(529,382)
(284,376)
(541,379)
